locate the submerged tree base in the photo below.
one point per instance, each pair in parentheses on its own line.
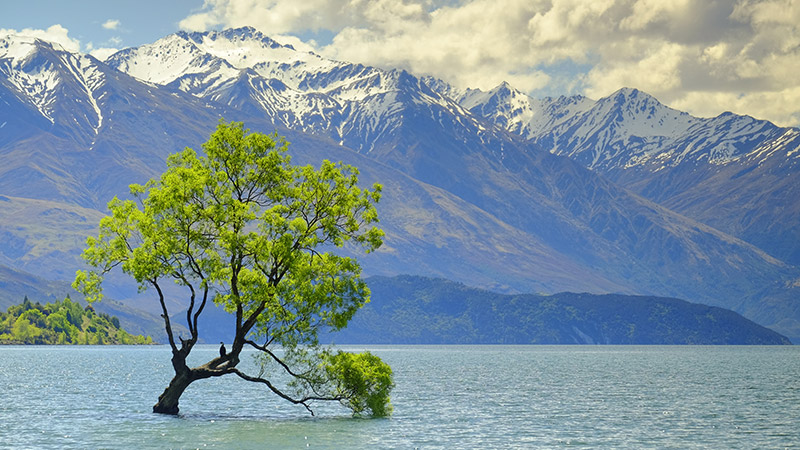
(168,400)
(171,410)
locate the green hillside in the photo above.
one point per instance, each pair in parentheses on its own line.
(418,310)
(62,322)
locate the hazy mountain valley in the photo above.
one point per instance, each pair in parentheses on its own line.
(496,190)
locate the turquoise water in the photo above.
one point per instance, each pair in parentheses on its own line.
(446,397)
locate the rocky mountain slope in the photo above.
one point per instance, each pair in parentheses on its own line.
(465,199)
(735,173)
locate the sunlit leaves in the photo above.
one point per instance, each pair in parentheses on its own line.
(243,203)
(363,380)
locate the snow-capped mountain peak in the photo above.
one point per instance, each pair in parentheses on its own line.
(636,113)
(166,60)
(55,81)
(247,70)
(242,47)
(17,48)
(218,56)
(520,113)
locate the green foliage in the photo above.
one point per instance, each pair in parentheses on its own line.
(247,224)
(363,380)
(61,322)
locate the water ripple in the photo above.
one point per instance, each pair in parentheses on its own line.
(446,398)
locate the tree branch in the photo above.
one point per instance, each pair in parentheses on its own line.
(303,401)
(189,310)
(201,307)
(278,360)
(165,315)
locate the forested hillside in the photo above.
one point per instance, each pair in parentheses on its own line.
(419,310)
(62,322)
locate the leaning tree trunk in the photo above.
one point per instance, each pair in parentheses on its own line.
(184,376)
(168,400)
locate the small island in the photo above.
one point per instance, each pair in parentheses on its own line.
(63,322)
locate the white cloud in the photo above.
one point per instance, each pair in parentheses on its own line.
(296,42)
(60,35)
(55,33)
(103,53)
(704,56)
(111,24)
(274,16)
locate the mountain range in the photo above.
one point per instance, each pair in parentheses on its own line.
(735,173)
(493,189)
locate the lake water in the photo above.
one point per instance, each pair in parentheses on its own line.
(447,397)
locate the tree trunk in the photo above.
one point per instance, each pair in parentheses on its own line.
(168,401)
(184,376)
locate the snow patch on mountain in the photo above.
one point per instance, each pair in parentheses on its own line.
(89,77)
(788,142)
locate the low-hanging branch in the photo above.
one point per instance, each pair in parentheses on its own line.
(302,401)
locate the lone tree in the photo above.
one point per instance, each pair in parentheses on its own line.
(244,228)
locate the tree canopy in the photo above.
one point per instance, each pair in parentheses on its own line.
(243,227)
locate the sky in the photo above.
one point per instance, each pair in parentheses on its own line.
(700,56)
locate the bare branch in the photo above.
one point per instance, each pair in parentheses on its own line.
(278,360)
(189,310)
(302,401)
(165,315)
(200,308)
